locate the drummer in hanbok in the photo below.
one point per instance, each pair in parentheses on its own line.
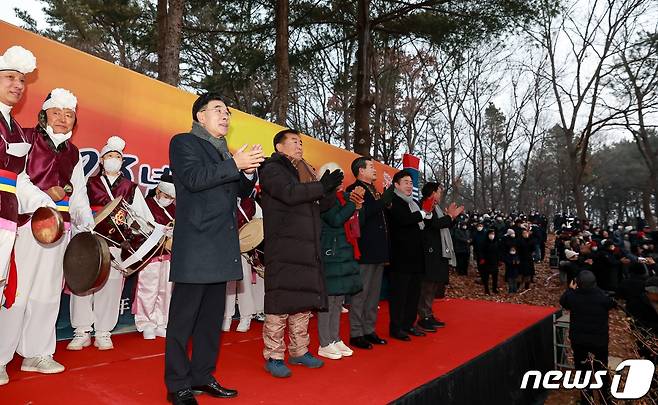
(53,177)
(15,63)
(99,311)
(245,293)
(153,294)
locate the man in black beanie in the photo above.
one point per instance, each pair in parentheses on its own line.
(588,330)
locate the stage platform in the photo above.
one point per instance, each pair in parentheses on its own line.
(479,358)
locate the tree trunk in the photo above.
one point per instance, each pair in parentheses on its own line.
(362,137)
(169,44)
(646,208)
(282,62)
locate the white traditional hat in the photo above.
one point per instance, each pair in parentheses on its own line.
(60,98)
(19,59)
(114,144)
(166,185)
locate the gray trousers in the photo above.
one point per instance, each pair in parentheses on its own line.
(428,292)
(329,322)
(363,312)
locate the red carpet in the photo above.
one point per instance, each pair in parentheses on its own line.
(132,373)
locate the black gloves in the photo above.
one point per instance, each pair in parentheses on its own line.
(331,180)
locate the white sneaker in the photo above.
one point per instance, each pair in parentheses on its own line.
(161,331)
(4,377)
(343,348)
(42,364)
(149,334)
(330,351)
(244,324)
(80,340)
(227,324)
(103,341)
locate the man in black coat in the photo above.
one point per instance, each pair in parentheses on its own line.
(292,199)
(374,247)
(406,220)
(206,252)
(588,329)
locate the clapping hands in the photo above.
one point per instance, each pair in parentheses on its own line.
(249,160)
(454,211)
(356,196)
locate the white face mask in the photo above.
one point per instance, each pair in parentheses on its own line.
(57,138)
(164,201)
(112,165)
(18,149)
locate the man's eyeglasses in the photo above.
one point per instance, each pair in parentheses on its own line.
(217,110)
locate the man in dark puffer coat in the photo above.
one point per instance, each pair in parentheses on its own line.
(294,283)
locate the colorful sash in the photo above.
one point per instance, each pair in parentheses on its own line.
(8,181)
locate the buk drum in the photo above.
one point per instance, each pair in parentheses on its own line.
(86,263)
(251,235)
(134,240)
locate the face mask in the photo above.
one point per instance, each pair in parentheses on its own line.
(18,149)
(164,201)
(57,138)
(492,237)
(112,165)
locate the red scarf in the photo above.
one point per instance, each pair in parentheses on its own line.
(352,228)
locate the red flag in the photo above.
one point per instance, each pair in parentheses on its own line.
(428,204)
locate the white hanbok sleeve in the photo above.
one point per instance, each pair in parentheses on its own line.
(140,207)
(30,197)
(82,219)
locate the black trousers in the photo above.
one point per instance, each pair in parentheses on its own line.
(485,272)
(462,263)
(196,311)
(600,362)
(404,294)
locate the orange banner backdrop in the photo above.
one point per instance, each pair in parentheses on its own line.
(145,112)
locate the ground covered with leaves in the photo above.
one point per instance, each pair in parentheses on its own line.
(546,291)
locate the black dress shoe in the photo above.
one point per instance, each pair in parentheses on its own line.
(426,325)
(374,339)
(215,390)
(437,323)
(182,397)
(415,332)
(360,342)
(400,336)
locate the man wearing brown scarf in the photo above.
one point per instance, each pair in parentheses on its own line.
(292,200)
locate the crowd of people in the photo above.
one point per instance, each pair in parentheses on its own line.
(325,244)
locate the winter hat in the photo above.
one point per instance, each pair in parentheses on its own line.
(166,185)
(60,98)
(586,279)
(19,59)
(114,144)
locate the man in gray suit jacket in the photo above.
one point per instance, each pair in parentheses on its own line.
(206,251)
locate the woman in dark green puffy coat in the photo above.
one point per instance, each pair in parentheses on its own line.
(341,270)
